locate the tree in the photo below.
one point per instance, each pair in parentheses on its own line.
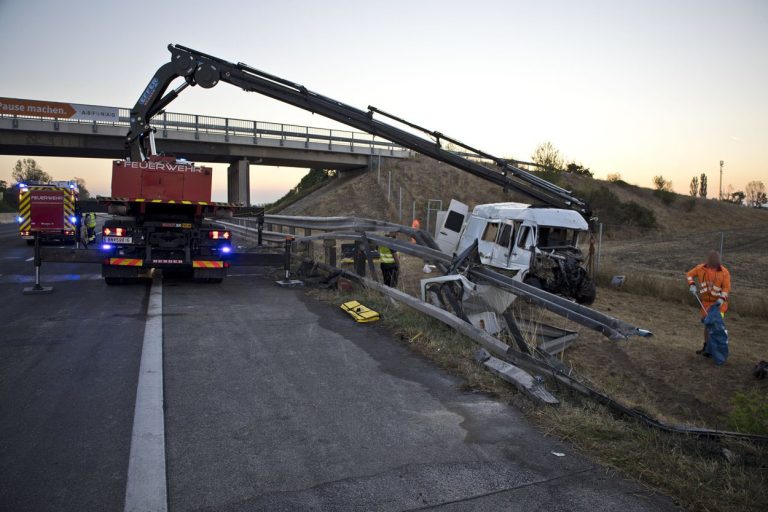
(660,183)
(83,191)
(703,186)
(549,157)
(578,169)
(27,170)
(755,194)
(3,186)
(614,177)
(694,190)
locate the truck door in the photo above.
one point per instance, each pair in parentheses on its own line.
(448,234)
(503,245)
(524,245)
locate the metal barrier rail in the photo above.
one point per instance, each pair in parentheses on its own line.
(353,228)
(201,124)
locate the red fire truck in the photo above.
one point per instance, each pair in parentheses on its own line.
(48,209)
(160,208)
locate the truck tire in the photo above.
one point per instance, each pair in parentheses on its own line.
(112,281)
(587,291)
(533,281)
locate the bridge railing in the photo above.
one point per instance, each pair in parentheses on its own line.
(257,131)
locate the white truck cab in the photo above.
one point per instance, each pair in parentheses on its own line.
(539,246)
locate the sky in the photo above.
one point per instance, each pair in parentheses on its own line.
(639,88)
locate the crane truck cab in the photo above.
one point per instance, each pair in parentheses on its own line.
(537,246)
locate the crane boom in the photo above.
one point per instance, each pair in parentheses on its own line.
(198,68)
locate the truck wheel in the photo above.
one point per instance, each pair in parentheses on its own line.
(533,281)
(587,291)
(112,281)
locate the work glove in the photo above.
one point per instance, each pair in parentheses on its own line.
(693,289)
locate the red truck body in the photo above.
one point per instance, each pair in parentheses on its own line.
(161,178)
(49,210)
(161,208)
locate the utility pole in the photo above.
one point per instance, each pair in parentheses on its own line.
(721,179)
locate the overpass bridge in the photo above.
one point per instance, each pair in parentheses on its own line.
(200,138)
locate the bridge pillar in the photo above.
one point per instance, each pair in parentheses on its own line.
(239,183)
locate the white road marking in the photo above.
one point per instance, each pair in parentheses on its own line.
(146,488)
(30,259)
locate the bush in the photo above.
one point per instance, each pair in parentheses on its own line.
(666,196)
(634,214)
(608,207)
(749,413)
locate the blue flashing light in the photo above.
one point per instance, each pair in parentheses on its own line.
(22,185)
(72,186)
(226,249)
(20,219)
(106,247)
(73,219)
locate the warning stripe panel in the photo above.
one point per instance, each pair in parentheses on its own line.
(170,201)
(207,264)
(127,262)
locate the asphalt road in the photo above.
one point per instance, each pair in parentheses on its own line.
(273,402)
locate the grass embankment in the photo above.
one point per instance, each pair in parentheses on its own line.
(694,473)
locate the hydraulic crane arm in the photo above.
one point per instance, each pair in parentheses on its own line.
(198,68)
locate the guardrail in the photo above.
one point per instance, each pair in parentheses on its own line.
(363,230)
(231,127)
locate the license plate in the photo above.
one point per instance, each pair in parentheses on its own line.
(118,240)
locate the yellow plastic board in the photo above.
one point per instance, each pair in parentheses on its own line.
(359,312)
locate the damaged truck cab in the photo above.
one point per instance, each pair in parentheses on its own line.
(538,246)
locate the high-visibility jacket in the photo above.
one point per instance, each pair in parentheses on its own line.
(386,257)
(714,283)
(90,220)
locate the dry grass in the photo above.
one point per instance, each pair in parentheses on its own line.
(675,290)
(694,473)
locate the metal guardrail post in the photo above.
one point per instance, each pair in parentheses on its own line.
(226,129)
(15,122)
(260,231)
(94,127)
(282,134)
(165,124)
(56,124)
(306,131)
(197,127)
(255,133)
(330,138)
(330,252)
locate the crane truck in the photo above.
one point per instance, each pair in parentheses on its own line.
(160,208)
(558,269)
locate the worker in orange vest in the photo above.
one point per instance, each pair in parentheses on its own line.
(416,224)
(714,287)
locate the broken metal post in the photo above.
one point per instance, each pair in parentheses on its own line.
(368,257)
(260,229)
(330,252)
(359,259)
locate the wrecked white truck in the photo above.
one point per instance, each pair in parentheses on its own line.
(537,246)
